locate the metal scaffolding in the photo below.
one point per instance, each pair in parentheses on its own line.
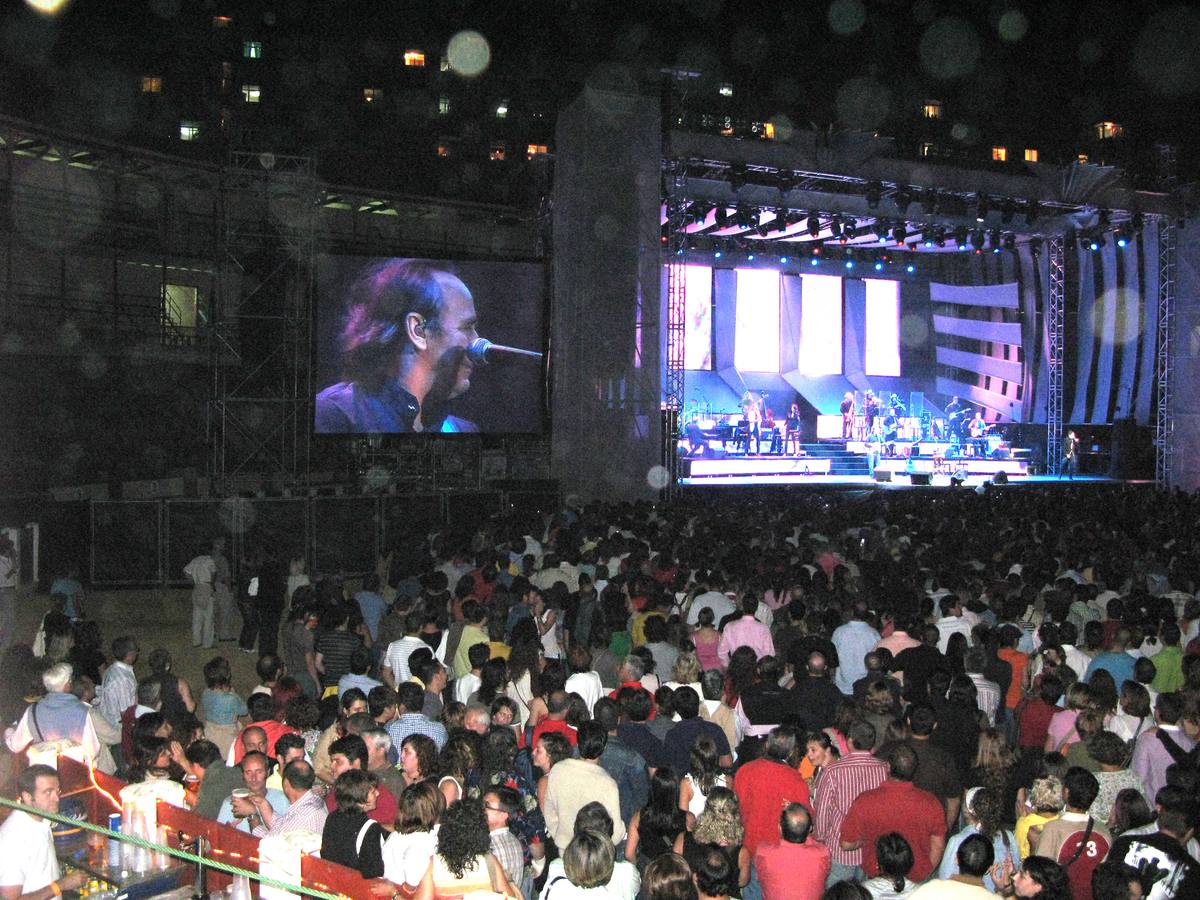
(676,251)
(259,411)
(1055,326)
(1164,430)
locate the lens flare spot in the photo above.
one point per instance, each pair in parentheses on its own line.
(468,53)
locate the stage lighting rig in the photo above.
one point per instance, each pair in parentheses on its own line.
(961,235)
(930,201)
(737,176)
(902,199)
(814,225)
(1007,210)
(978,238)
(785,181)
(722,217)
(939,235)
(1032,210)
(899,233)
(994,239)
(874,193)
(837,229)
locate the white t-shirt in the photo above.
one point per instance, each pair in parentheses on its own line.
(623,885)
(407,856)
(27,853)
(587,685)
(397,656)
(465,686)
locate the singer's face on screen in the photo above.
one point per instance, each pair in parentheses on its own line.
(447,343)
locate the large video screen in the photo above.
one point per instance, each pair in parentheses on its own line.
(429,345)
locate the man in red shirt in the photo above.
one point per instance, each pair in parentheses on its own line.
(1036,714)
(795,868)
(898,805)
(556,721)
(767,785)
(262,733)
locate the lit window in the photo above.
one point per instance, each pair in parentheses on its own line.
(932,109)
(536,150)
(769,131)
(498,152)
(443,106)
(725,90)
(1082,158)
(189,131)
(414,59)
(252,49)
(999,154)
(444,149)
(502,110)
(151,84)
(251,93)
(222,21)
(1031,154)
(372,95)
(179,305)
(926,149)
(1106,130)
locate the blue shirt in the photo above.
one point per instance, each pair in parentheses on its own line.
(1118,664)
(276,798)
(373,607)
(70,589)
(1002,851)
(221,707)
(853,642)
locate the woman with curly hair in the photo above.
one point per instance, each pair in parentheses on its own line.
(704,775)
(655,827)
(498,766)
(303,714)
(418,759)
(686,673)
(464,862)
(983,811)
(719,825)
(457,758)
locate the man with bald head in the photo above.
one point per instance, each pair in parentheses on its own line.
(797,866)
(814,697)
(404,351)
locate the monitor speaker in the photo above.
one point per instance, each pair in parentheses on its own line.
(883,475)
(920,478)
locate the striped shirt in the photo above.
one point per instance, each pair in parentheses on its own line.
(415,723)
(839,786)
(509,853)
(987,696)
(308,813)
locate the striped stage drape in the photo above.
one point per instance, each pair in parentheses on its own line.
(991,341)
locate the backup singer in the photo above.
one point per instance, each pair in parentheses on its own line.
(752,413)
(848,411)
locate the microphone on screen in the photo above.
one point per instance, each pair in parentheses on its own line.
(482,351)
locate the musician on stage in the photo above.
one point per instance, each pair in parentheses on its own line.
(870,410)
(848,411)
(752,412)
(956,415)
(1071,455)
(791,428)
(977,432)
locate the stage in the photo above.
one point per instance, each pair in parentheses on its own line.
(898,482)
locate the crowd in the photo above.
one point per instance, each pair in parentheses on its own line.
(797,695)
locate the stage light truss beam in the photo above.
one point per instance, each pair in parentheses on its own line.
(676,249)
(1055,322)
(1164,425)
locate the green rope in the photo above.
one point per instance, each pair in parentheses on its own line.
(171,851)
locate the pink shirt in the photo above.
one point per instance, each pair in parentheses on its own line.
(1062,728)
(745,632)
(897,642)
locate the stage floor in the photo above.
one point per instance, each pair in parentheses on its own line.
(899,482)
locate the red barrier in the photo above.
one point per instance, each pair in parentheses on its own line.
(229,846)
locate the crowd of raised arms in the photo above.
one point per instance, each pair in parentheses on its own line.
(756,695)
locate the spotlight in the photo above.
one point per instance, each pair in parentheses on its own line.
(763,229)
(878,267)
(783,260)
(977,239)
(835,227)
(850,231)
(849,264)
(899,233)
(1032,209)
(722,217)
(782,220)
(910,268)
(786,181)
(982,207)
(903,198)
(1126,233)
(814,262)
(814,224)
(994,239)
(1104,217)
(961,235)
(750,257)
(874,193)
(1098,241)
(939,236)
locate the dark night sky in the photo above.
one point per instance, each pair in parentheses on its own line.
(1037,73)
